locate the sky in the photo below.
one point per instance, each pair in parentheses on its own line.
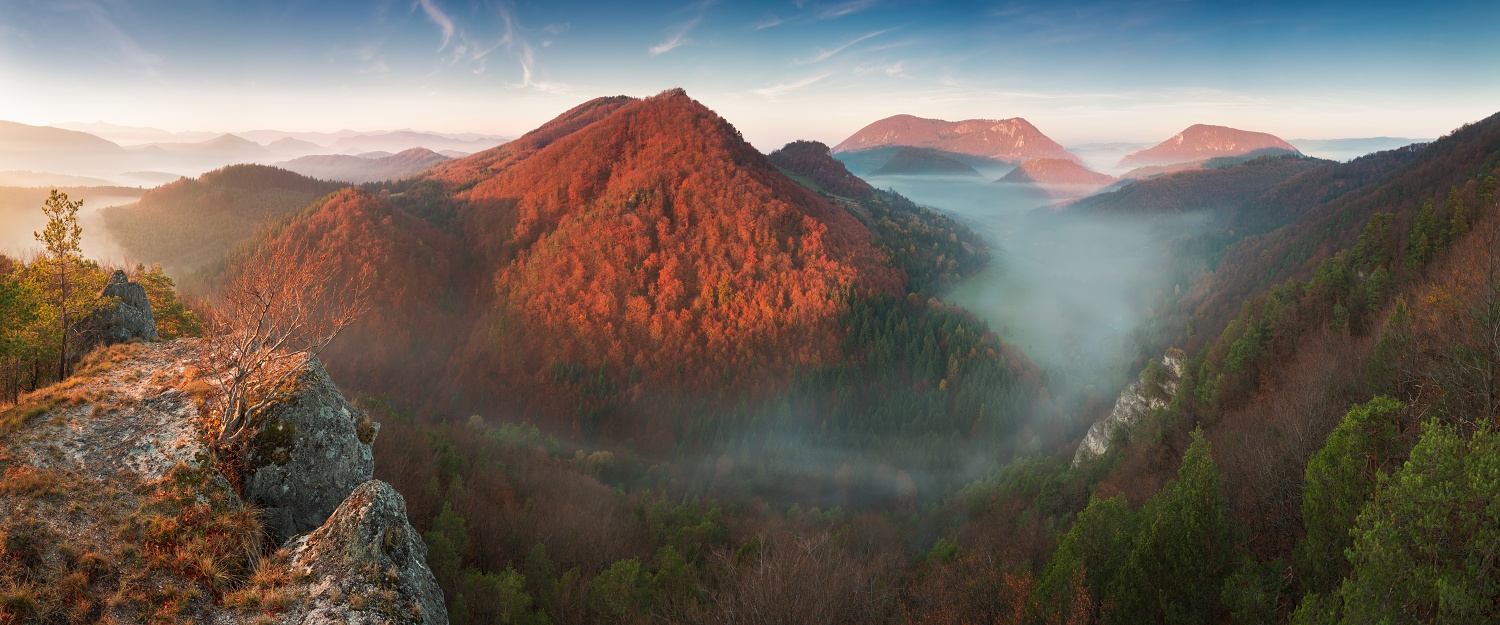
(1083,72)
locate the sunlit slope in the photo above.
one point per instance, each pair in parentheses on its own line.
(629,254)
(189,224)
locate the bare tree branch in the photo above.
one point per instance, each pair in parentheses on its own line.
(269,318)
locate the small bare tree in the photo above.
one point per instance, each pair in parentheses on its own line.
(267,320)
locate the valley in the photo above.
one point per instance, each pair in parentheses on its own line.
(931,314)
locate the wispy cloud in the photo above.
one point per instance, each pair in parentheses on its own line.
(896,70)
(125,49)
(439,18)
(474,51)
(824,55)
(769,21)
(519,45)
(777,90)
(367,56)
(677,35)
(807,13)
(849,7)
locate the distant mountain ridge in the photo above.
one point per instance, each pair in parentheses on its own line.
(361,169)
(1014,140)
(44,148)
(1199,188)
(1203,141)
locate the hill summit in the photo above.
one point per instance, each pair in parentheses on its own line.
(920,161)
(1202,141)
(1011,140)
(1056,171)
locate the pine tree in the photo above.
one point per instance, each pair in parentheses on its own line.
(63,238)
(1424,241)
(1458,223)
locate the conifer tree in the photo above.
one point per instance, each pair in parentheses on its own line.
(63,238)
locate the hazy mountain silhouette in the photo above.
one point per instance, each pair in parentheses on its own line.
(1012,140)
(1202,141)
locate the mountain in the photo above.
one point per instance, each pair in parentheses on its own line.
(44,148)
(135,135)
(1012,140)
(228,148)
(1057,171)
(813,162)
(647,268)
(922,162)
(189,224)
(1202,141)
(359,169)
(688,229)
(1200,188)
(291,146)
(46,179)
(402,140)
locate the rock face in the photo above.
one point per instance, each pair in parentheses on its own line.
(309,453)
(1012,140)
(1154,390)
(1202,141)
(130,318)
(368,563)
(112,463)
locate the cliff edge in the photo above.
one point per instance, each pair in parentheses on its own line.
(113,508)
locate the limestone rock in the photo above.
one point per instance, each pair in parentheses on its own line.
(366,565)
(90,466)
(1134,403)
(310,451)
(130,318)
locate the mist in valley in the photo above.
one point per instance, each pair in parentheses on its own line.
(21,216)
(1071,289)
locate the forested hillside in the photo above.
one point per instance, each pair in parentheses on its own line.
(189,224)
(1294,474)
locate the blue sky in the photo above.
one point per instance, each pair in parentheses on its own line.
(1081,71)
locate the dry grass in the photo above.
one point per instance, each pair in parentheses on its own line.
(104,359)
(32,482)
(72,551)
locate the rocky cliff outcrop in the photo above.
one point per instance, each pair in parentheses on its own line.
(1155,389)
(310,451)
(128,317)
(113,508)
(367,555)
